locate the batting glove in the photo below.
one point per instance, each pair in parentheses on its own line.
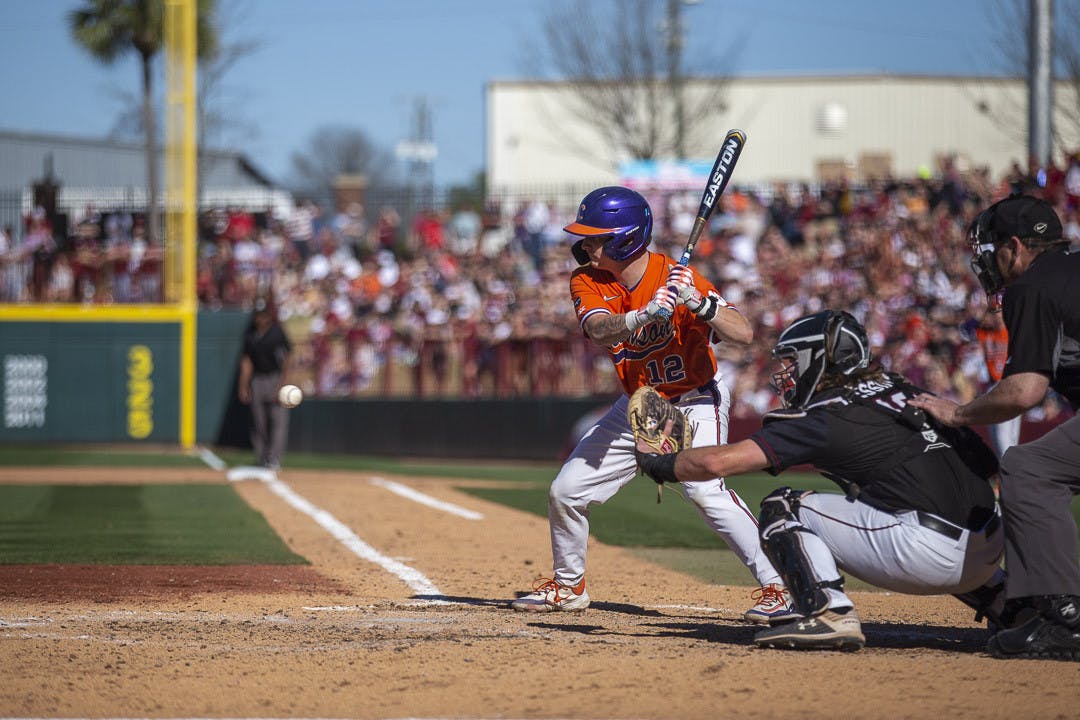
(664,301)
(680,276)
(662,305)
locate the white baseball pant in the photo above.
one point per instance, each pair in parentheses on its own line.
(603,462)
(894,551)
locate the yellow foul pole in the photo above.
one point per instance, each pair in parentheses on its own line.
(180,39)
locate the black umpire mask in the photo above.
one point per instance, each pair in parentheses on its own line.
(984,253)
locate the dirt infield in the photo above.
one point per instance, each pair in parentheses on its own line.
(345,637)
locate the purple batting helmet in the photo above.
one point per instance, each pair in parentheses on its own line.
(618,213)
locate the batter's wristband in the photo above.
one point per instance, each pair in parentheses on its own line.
(635,319)
(707,310)
(660,468)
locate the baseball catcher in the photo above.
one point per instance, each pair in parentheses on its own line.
(917,515)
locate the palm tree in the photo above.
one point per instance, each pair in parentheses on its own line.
(108,29)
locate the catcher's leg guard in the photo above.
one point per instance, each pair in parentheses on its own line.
(781,539)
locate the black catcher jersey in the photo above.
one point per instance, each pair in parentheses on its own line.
(880,451)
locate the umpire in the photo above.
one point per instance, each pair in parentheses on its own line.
(264,365)
(1017,247)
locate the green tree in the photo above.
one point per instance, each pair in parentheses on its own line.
(109,29)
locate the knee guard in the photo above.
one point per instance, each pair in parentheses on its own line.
(781,541)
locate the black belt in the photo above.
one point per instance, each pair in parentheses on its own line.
(704,388)
(954,531)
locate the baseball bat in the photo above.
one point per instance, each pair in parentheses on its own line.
(718,181)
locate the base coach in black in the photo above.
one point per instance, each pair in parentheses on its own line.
(264,368)
(1018,248)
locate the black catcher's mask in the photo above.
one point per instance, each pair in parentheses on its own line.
(825,343)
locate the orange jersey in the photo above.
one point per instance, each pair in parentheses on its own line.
(673,355)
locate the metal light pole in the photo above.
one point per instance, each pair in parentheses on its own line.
(1040,81)
(420,152)
(675,79)
(675,43)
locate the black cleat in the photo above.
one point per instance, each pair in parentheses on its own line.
(1038,638)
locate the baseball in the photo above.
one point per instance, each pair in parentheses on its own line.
(290,396)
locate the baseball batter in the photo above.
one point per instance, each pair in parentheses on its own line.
(621,295)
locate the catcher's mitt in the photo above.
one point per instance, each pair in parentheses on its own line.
(658,427)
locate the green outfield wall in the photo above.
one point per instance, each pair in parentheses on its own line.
(513,429)
(112,381)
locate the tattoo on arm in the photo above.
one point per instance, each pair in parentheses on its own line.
(606,330)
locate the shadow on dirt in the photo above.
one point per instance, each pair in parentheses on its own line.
(889,636)
(878,635)
(624,608)
(476,602)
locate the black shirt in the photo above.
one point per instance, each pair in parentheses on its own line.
(1042,314)
(267,351)
(863,439)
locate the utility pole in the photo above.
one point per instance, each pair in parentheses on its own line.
(1040,82)
(420,152)
(673,24)
(675,79)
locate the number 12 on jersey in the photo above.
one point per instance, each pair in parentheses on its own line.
(672,370)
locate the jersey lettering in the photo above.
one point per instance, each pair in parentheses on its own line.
(894,403)
(874,391)
(651,334)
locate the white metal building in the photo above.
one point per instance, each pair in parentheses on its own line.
(799,128)
(113,174)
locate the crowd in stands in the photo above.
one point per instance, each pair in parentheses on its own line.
(104,259)
(474,302)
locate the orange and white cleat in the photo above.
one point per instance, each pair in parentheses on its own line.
(549,596)
(772,605)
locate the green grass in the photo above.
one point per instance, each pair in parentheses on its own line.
(48,456)
(718,567)
(156,524)
(518,472)
(135,525)
(632,517)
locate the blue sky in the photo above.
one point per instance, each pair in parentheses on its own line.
(364,64)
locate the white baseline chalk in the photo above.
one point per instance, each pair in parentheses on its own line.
(417,496)
(340,532)
(210,458)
